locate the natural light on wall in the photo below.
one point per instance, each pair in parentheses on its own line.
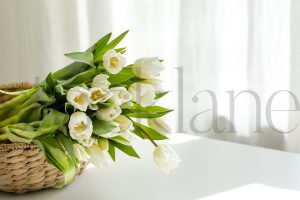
(225,46)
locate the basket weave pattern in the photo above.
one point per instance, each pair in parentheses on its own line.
(23,167)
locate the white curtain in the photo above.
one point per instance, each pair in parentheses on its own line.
(222,45)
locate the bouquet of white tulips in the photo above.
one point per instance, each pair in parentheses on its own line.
(89,108)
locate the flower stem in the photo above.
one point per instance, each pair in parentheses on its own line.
(10,120)
(7,108)
(146,135)
(3,137)
(149,138)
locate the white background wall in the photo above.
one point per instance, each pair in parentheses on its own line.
(221,44)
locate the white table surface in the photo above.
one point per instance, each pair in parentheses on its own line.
(210,170)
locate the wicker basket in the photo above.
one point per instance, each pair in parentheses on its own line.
(23,167)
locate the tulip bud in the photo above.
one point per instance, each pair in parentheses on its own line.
(108,114)
(80,126)
(156,83)
(100,81)
(124,123)
(80,152)
(165,158)
(159,125)
(99,158)
(113,62)
(147,68)
(142,94)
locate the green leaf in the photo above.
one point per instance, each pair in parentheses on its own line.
(84,57)
(147,133)
(104,105)
(102,42)
(67,142)
(76,80)
(124,75)
(160,94)
(50,82)
(15,93)
(77,67)
(116,41)
(43,98)
(31,112)
(129,150)
(111,45)
(21,132)
(69,108)
(56,156)
(70,71)
(52,122)
(146,112)
(99,46)
(64,130)
(121,50)
(101,127)
(112,152)
(120,139)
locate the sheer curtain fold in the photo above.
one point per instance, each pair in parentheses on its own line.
(238,45)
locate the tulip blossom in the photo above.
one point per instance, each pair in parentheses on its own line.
(142,94)
(147,67)
(165,158)
(113,62)
(80,126)
(79,98)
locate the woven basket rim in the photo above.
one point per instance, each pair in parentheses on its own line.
(12,86)
(17,145)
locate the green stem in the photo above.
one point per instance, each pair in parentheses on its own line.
(16,118)
(3,137)
(17,100)
(9,107)
(144,133)
(149,138)
(10,120)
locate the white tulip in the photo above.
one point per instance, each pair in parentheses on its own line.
(156,83)
(128,104)
(98,95)
(80,152)
(113,62)
(100,81)
(108,114)
(166,158)
(79,98)
(111,134)
(124,123)
(93,107)
(80,127)
(88,142)
(142,94)
(147,68)
(120,95)
(159,125)
(99,158)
